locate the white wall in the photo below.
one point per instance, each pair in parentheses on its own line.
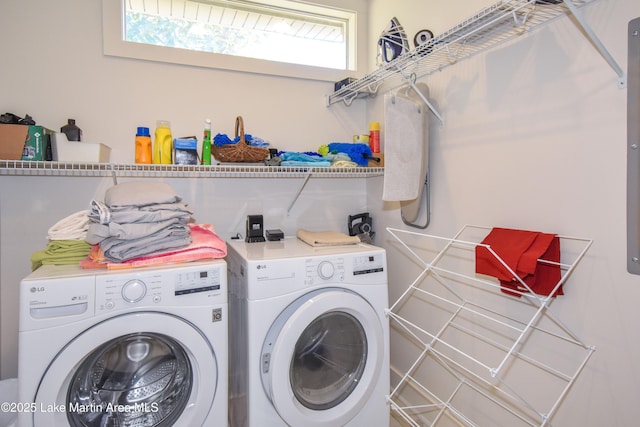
(53,68)
(535,138)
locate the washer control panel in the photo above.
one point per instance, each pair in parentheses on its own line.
(193,286)
(120,291)
(134,290)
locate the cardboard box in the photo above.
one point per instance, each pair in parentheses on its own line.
(185,151)
(22,142)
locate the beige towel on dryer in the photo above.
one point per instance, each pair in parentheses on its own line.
(406,141)
(326,238)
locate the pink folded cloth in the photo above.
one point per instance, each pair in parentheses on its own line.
(205,244)
(521,250)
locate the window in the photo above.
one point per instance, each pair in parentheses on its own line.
(282,37)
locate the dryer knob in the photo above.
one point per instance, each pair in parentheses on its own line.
(134,290)
(326,270)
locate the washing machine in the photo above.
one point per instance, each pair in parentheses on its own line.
(309,336)
(137,347)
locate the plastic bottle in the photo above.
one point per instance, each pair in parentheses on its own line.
(73,132)
(374,137)
(163,144)
(206,143)
(143,146)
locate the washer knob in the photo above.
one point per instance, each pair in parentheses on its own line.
(326,270)
(134,290)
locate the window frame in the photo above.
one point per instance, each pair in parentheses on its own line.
(113,14)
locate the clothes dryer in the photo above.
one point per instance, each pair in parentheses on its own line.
(309,335)
(141,347)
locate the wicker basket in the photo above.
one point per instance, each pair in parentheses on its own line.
(240,151)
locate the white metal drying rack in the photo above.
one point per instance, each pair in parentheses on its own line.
(481,347)
(497,23)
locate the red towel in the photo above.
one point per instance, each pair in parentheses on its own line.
(521,250)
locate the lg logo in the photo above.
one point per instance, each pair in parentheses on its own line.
(37,289)
(261,267)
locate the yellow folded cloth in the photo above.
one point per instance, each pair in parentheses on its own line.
(61,252)
(326,238)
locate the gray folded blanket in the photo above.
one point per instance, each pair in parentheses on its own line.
(140,193)
(172,237)
(101,213)
(133,231)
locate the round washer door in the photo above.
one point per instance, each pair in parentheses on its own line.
(141,368)
(321,357)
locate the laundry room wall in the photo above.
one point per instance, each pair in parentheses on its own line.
(53,68)
(534,138)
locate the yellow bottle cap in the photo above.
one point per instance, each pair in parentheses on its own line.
(374,126)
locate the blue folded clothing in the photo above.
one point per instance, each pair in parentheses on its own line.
(254,141)
(291,158)
(321,164)
(359,153)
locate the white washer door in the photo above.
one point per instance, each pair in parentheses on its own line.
(322,357)
(141,368)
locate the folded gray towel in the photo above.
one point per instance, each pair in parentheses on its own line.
(134,214)
(140,193)
(173,237)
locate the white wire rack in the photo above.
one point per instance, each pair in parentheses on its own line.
(480,356)
(236,170)
(491,26)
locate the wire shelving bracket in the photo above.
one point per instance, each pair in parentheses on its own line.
(495,354)
(497,23)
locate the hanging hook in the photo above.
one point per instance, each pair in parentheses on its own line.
(454,54)
(421,95)
(525,16)
(349,99)
(376,85)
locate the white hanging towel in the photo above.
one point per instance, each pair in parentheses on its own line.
(406,142)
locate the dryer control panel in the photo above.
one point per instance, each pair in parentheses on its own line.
(319,270)
(369,268)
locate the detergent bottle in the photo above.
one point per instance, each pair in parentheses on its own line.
(143,146)
(163,144)
(206,143)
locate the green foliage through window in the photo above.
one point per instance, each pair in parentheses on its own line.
(282,44)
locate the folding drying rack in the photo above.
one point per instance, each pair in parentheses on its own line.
(480,354)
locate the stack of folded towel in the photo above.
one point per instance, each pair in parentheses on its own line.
(66,242)
(205,245)
(139,219)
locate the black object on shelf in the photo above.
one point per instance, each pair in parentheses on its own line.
(73,132)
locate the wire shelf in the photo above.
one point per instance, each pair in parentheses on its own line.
(499,354)
(502,21)
(236,170)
